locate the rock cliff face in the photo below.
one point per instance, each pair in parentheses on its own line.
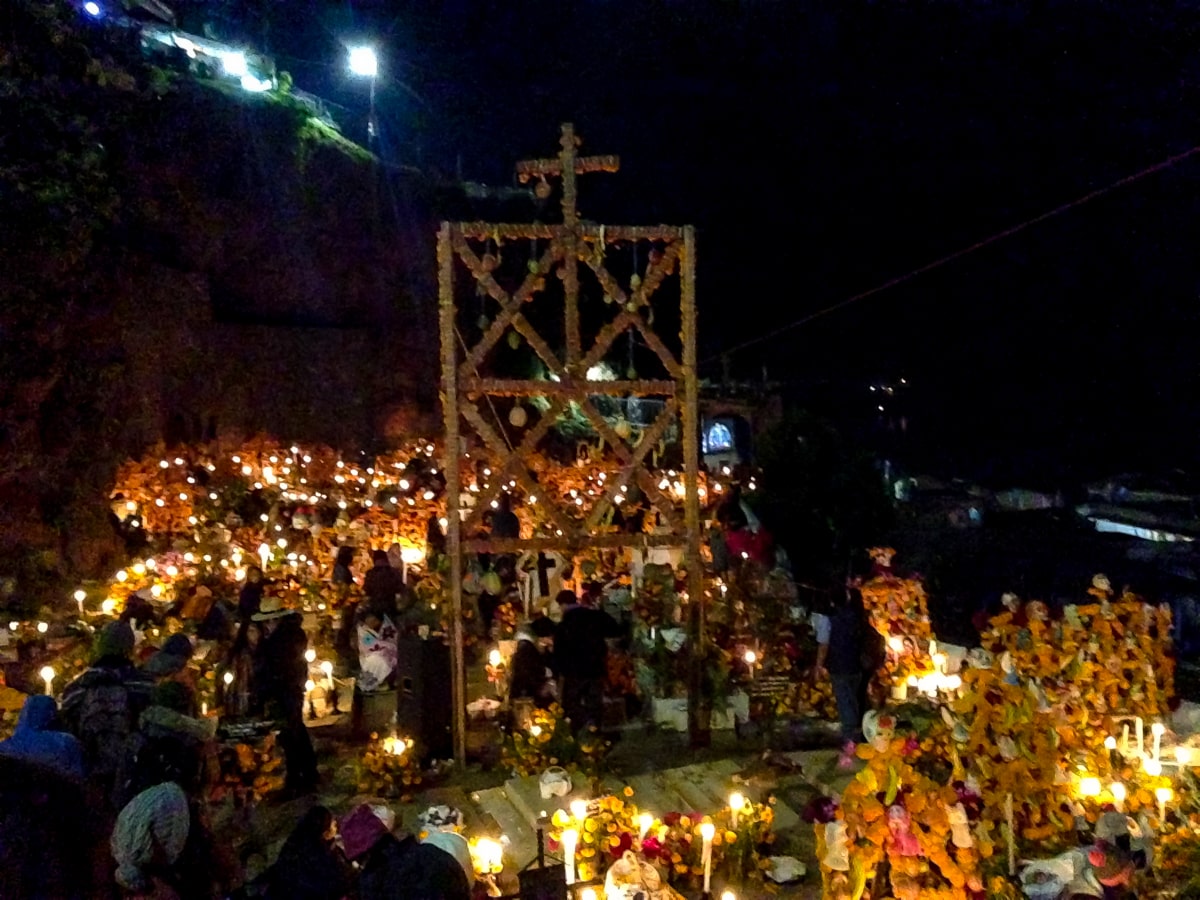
(180,262)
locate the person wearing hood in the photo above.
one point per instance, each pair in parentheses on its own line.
(101,708)
(34,741)
(383,587)
(530,677)
(310,866)
(392,868)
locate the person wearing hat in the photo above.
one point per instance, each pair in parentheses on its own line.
(286,670)
(101,708)
(169,664)
(401,868)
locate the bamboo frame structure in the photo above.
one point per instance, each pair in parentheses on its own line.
(570,244)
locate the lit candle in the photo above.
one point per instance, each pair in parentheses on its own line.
(707,831)
(645,820)
(728,895)
(1162,795)
(1141,735)
(47,674)
(1183,755)
(1110,743)
(579,810)
(1118,794)
(736,802)
(310,656)
(1012,848)
(264,553)
(1089,786)
(204,708)
(1157,730)
(587,894)
(1152,767)
(327,671)
(569,838)
(80,596)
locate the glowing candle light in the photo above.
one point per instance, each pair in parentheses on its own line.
(1183,755)
(327,671)
(1089,786)
(728,895)
(80,596)
(42,627)
(736,803)
(1152,767)
(48,674)
(579,810)
(1162,795)
(569,839)
(228,678)
(1110,743)
(707,831)
(645,820)
(494,659)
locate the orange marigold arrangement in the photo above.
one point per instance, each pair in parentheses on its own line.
(389,768)
(672,842)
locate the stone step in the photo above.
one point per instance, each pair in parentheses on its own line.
(522,838)
(654,794)
(525,794)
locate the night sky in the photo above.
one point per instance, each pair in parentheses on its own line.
(822,149)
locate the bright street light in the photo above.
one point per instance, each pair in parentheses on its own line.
(234,64)
(364,62)
(92,9)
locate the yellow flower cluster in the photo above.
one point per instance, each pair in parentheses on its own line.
(898,608)
(1116,652)
(389,768)
(249,772)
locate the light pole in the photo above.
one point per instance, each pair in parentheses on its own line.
(365,64)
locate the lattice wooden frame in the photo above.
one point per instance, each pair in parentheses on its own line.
(570,244)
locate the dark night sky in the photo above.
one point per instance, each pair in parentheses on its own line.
(825,148)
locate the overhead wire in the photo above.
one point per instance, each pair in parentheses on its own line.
(958,254)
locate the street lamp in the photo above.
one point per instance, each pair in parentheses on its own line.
(365,64)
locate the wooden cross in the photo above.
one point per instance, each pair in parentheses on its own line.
(567,165)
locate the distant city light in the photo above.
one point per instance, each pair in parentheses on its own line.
(92,9)
(364,62)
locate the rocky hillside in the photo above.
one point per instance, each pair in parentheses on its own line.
(181,262)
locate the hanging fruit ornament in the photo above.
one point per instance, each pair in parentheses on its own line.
(532,265)
(635,281)
(517,417)
(483,322)
(514,340)
(541,190)
(622,429)
(608,298)
(489,262)
(631,373)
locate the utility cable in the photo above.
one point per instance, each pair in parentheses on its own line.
(958,254)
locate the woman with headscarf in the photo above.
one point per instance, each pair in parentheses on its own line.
(310,866)
(392,868)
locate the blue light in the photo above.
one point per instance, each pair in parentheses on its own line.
(92,9)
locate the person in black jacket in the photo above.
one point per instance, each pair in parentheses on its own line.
(251,594)
(529,676)
(581,657)
(286,671)
(383,588)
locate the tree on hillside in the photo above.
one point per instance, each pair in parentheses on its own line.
(822,498)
